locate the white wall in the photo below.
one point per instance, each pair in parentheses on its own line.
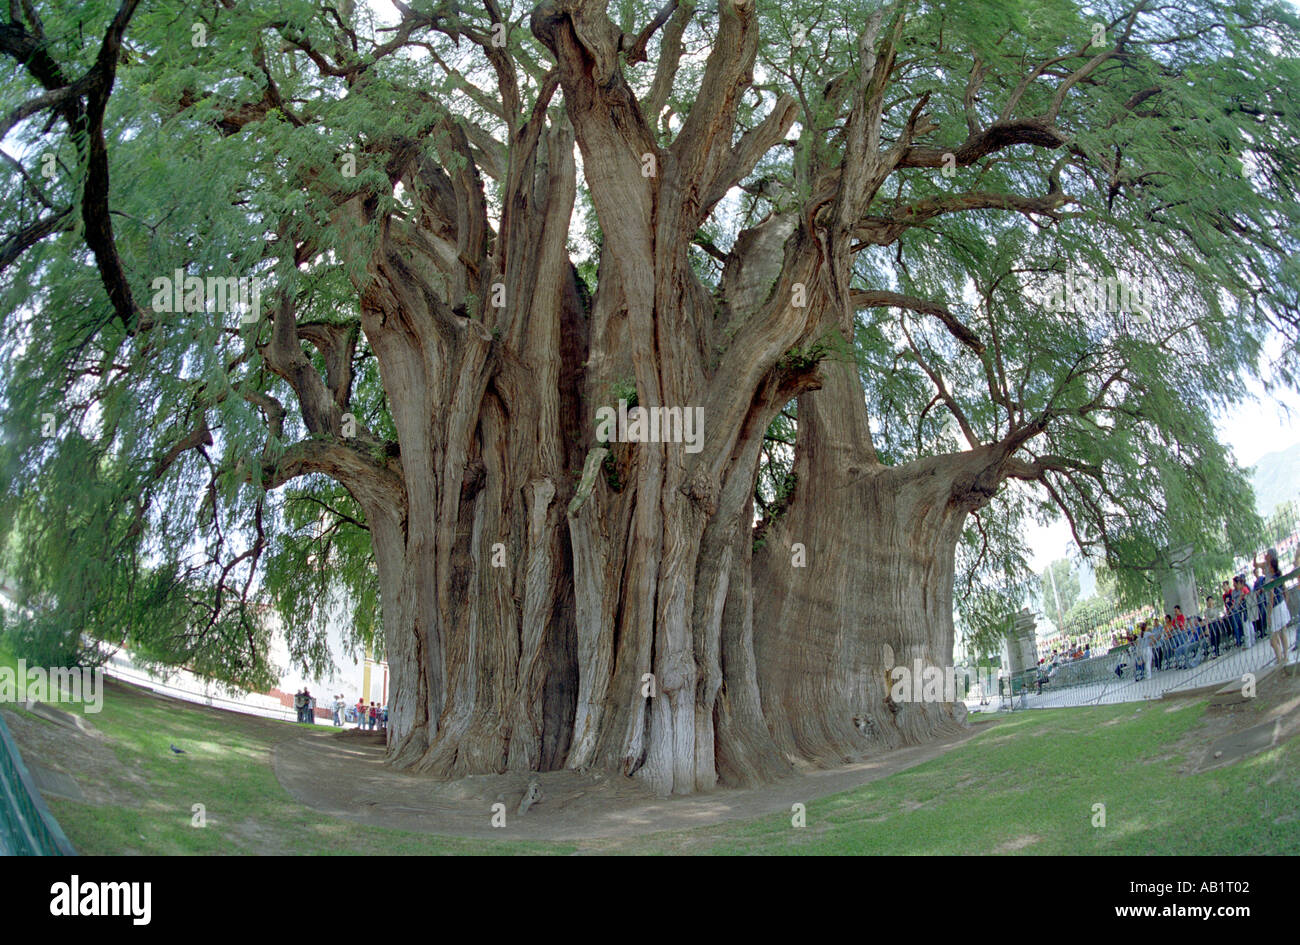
(348,666)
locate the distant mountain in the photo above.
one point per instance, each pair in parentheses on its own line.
(1277,478)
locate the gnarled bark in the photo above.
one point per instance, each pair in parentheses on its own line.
(873,592)
(552,601)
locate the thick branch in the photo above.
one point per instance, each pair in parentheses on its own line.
(878,299)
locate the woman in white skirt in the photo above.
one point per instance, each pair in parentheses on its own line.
(1279,615)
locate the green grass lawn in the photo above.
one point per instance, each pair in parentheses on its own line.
(227,768)
(1027,783)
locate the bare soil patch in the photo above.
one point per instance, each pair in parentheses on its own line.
(1019,843)
(343,775)
(1231,733)
(86,757)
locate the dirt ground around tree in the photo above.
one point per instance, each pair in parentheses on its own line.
(343,775)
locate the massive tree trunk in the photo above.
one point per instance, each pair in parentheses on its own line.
(473,562)
(551,600)
(655,543)
(855,578)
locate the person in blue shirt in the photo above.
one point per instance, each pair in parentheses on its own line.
(1261,609)
(1190,645)
(1214,626)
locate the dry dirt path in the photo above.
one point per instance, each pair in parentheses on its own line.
(343,775)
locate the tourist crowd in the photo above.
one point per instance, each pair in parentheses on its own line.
(1242,613)
(368,717)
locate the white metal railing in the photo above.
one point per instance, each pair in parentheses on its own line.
(119,666)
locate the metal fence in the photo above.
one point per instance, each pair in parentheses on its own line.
(119,666)
(1237,646)
(27,828)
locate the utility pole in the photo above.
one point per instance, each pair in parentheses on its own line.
(1060,618)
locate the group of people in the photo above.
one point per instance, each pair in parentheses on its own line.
(1240,615)
(1049,666)
(367,717)
(1071,653)
(305,704)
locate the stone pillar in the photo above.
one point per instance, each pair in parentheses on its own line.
(1020,650)
(365,676)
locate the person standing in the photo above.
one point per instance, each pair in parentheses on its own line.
(1215,625)
(1292,596)
(1162,642)
(1145,667)
(339,706)
(1240,603)
(374,716)
(1278,613)
(1261,608)
(1227,633)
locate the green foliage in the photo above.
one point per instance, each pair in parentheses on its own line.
(799,359)
(1282,523)
(993,579)
(1091,614)
(621,390)
(1204,177)
(610,467)
(320,566)
(776,479)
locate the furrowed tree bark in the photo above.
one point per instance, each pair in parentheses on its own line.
(549,600)
(554,601)
(875,592)
(662,536)
(473,567)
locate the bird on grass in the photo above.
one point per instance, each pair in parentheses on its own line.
(179,751)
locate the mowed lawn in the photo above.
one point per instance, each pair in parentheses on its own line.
(1027,783)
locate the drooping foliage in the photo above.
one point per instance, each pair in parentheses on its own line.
(1025,249)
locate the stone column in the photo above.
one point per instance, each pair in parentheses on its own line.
(1021,646)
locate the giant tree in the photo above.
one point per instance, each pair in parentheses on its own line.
(832,231)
